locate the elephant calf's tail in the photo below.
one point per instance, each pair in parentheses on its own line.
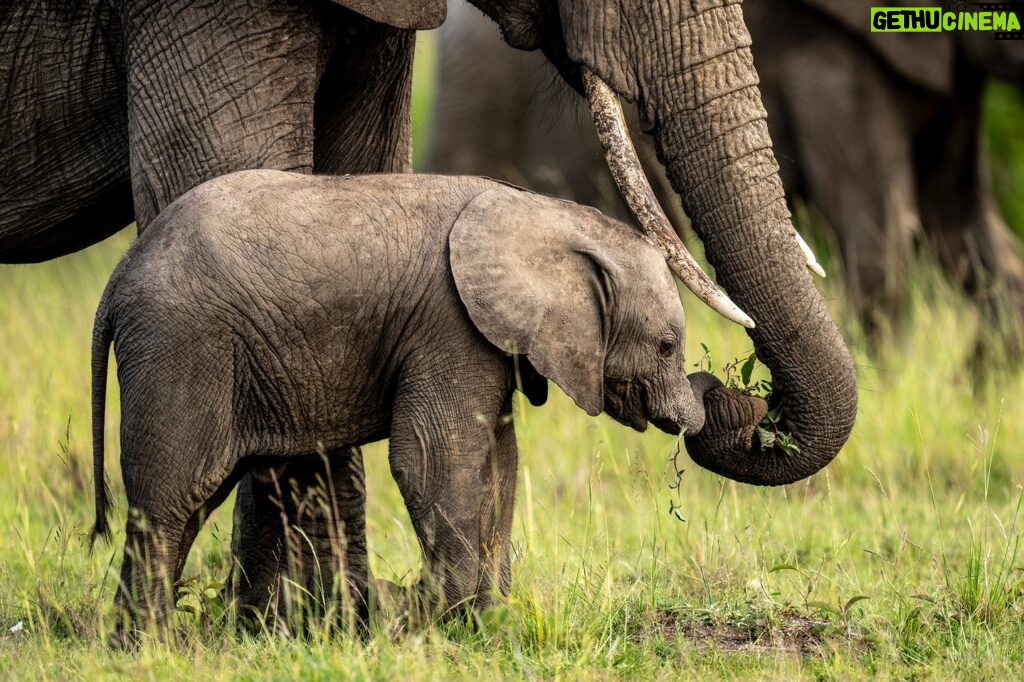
(102,335)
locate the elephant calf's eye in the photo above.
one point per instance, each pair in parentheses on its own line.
(666,347)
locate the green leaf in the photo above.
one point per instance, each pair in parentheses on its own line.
(704,363)
(676,510)
(783,567)
(786,443)
(747,370)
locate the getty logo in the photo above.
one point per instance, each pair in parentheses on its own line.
(997,17)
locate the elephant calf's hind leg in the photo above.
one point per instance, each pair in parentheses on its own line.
(162,525)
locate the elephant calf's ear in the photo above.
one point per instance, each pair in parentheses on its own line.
(531,277)
(415,14)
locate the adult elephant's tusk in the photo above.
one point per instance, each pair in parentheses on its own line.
(812,262)
(636,190)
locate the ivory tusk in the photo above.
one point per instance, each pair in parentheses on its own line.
(812,262)
(636,190)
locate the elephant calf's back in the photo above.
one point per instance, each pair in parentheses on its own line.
(294,300)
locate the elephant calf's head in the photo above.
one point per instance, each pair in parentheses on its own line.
(587,300)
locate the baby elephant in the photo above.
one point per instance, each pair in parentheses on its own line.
(268,320)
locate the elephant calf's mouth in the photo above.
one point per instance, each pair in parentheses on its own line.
(667,425)
(626,403)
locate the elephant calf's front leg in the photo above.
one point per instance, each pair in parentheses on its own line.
(455,464)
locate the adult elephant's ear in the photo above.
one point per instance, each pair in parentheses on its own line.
(537,279)
(416,14)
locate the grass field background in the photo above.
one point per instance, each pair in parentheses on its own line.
(901,560)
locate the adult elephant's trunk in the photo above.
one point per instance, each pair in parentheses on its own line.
(711,134)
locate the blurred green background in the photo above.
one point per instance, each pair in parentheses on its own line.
(1004,127)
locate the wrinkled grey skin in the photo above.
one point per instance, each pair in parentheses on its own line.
(503,113)
(206,96)
(110,109)
(881,132)
(325,313)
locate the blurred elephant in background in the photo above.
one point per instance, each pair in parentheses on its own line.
(165,95)
(880,132)
(885,134)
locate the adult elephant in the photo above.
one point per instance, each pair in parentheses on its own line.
(881,132)
(688,66)
(885,133)
(111,109)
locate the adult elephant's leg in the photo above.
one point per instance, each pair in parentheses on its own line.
(296,530)
(455,464)
(856,159)
(962,222)
(256,542)
(217,87)
(362,125)
(363,104)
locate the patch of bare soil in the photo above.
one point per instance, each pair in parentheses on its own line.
(786,632)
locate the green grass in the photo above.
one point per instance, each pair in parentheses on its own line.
(1004,124)
(901,559)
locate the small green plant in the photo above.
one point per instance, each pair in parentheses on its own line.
(739,374)
(202,601)
(771,436)
(675,505)
(704,363)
